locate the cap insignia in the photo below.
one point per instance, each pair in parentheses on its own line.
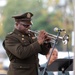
(28,15)
(33,37)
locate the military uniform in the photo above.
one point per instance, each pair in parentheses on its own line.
(22,50)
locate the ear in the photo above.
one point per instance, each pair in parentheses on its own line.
(16,23)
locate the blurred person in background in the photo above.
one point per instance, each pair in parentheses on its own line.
(54,56)
(22,47)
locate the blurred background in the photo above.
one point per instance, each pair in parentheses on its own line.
(48,14)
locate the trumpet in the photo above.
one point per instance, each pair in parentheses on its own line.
(52,36)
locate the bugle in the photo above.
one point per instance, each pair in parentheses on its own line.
(52,36)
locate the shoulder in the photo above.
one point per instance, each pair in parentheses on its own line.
(11,35)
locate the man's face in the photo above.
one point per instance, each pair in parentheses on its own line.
(23,27)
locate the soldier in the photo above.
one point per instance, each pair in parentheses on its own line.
(22,47)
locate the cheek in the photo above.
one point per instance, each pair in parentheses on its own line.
(52,57)
(21,27)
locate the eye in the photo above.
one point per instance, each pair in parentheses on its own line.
(26,25)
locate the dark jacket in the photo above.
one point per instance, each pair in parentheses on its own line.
(22,50)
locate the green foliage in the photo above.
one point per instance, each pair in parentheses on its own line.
(17,7)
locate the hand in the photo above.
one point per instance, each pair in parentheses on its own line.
(47,38)
(41,36)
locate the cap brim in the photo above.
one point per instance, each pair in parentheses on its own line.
(17,17)
(26,23)
(20,16)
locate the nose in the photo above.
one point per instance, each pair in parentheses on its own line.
(29,27)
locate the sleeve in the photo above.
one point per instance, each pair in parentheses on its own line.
(45,48)
(14,46)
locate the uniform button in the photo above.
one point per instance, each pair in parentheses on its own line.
(22,35)
(22,38)
(33,37)
(20,66)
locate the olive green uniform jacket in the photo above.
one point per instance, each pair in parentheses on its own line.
(22,50)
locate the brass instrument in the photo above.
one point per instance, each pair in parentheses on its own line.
(65,38)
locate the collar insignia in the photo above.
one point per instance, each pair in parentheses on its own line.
(33,37)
